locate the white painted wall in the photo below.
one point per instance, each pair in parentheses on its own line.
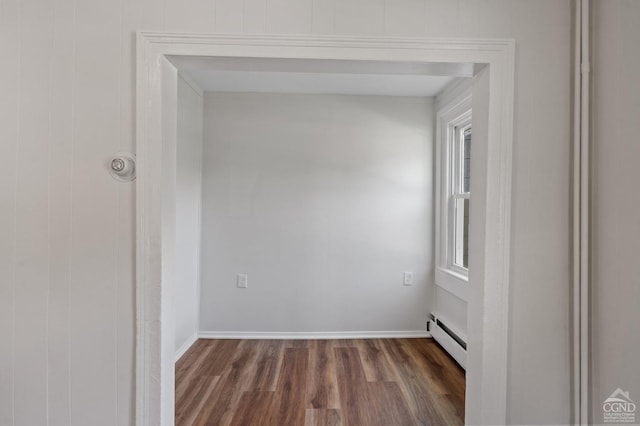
(66,252)
(451,310)
(188,200)
(615,209)
(324,201)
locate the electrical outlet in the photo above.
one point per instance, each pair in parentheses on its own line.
(408,278)
(242,280)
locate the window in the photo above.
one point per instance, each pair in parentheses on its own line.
(460,194)
(457,194)
(453,183)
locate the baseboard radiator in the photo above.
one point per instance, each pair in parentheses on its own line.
(450,341)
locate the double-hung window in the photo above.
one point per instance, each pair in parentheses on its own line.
(460,169)
(453,196)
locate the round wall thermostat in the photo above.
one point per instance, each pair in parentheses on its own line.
(122,166)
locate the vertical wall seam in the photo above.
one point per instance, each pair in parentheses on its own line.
(581,226)
(49,149)
(244,14)
(116,294)
(213,14)
(384,17)
(265,20)
(74,64)
(15,225)
(576,412)
(266,16)
(333,17)
(164,15)
(585,242)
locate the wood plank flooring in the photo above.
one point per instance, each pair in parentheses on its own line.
(372,382)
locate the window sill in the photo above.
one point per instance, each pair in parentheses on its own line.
(453,282)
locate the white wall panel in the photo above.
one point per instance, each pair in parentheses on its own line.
(9,136)
(228,16)
(359,17)
(60,218)
(94,266)
(31,224)
(255,16)
(289,16)
(405,17)
(616,208)
(90,258)
(472,17)
(323,16)
(442,15)
(189,15)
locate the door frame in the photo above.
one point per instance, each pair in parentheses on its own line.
(486,401)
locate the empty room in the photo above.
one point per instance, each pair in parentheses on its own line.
(305,260)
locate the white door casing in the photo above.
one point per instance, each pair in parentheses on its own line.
(155,143)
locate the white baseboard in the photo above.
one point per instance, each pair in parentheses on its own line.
(312,335)
(186,345)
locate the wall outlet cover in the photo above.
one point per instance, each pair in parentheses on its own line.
(242,280)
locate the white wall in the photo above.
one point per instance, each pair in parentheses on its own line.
(324,201)
(188,200)
(616,208)
(451,310)
(67,247)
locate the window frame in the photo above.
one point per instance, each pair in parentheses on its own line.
(455,250)
(451,121)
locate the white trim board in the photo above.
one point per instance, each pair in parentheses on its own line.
(314,335)
(186,345)
(487,357)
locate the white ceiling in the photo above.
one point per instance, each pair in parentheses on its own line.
(321,76)
(318,83)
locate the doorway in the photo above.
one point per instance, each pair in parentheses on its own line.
(161,56)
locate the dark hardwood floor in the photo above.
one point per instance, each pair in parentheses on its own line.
(382,382)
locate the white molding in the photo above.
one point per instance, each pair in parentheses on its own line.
(581,220)
(186,345)
(488,406)
(191,83)
(313,335)
(454,93)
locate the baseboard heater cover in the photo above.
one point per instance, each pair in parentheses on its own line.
(449,340)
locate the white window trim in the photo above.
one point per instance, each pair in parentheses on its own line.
(453,112)
(452,193)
